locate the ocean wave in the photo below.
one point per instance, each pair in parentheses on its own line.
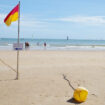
(57,45)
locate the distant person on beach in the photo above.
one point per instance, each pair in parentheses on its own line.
(26,45)
(45,44)
(37,43)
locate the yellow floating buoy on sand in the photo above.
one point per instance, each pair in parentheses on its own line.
(80,94)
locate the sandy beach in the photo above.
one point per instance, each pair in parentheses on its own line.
(41,79)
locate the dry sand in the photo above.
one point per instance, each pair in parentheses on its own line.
(41,77)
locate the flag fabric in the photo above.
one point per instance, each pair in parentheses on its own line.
(12,16)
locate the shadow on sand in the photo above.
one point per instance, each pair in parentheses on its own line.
(8,79)
(72,100)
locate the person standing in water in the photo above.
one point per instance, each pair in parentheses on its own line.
(27,45)
(45,45)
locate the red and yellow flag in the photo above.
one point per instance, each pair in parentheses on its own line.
(12,16)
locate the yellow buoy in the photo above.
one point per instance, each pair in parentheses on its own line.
(80,94)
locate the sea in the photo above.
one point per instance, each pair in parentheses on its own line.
(54,44)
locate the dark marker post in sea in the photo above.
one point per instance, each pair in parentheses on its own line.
(67,38)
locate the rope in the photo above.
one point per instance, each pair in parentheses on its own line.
(7,65)
(68,82)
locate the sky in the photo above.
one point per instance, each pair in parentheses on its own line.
(55,19)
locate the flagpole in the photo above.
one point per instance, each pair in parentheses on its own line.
(18,41)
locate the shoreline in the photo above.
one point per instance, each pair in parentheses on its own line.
(55,44)
(98,50)
(55,48)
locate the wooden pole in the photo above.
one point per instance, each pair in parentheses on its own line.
(18,41)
